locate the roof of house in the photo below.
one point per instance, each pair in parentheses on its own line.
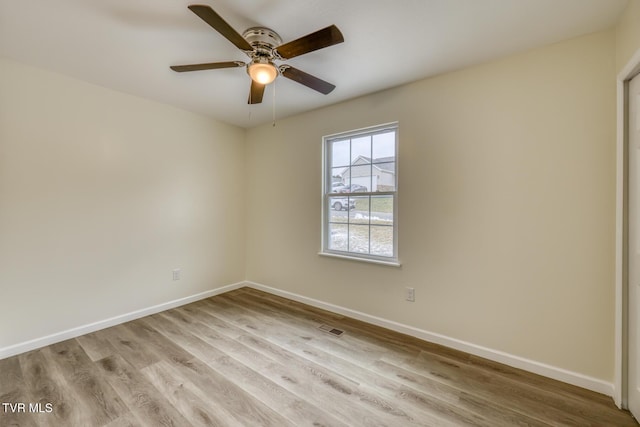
(382,163)
(385,164)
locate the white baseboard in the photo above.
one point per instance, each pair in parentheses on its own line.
(25,346)
(543,369)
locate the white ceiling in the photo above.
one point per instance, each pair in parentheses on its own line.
(129,45)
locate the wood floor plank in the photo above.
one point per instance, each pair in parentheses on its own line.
(358,369)
(398,345)
(69,406)
(248,358)
(348,399)
(13,390)
(187,399)
(555,398)
(157,343)
(103,402)
(10,375)
(525,399)
(295,409)
(247,410)
(236,404)
(95,345)
(292,329)
(144,400)
(47,385)
(278,367)
(238,395)
(126,420)
(16,419)
(575,394)
(466,400)
(584,412)
(307,329)
(419,402)
(125,343)
(382,408)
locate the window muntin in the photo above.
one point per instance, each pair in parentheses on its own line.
(360,194)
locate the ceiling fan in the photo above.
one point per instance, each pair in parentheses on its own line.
(264,47)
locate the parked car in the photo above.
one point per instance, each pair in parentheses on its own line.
(337,187)
(342,203)
(353,188)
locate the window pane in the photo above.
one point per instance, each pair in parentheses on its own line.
(384,147)
(361,149)
(360,214)
(359,238)
(360,178)
(384,176)
(382,240)
(382,210)
(338,237)
(338,176)
(339,204)
(340,151)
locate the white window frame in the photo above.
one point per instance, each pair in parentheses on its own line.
(326,195)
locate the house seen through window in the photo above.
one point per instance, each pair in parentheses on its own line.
(360,194)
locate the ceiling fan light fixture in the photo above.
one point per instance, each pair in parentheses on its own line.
(264,46)
(263,72)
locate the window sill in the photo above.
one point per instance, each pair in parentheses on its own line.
(368,260)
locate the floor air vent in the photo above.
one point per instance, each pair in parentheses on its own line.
(331,330)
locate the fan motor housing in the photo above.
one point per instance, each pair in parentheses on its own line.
(263,40)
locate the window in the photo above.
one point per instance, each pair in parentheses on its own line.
(360,200)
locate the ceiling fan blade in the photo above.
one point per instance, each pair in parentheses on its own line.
(306,79)
(209,16)
(207,66)
(314,41)
(256,93)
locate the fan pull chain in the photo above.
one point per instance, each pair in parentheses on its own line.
(250,108)
(274,104)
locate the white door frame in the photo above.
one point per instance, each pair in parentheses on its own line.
(620,367)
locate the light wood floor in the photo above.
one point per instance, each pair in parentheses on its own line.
(247,358)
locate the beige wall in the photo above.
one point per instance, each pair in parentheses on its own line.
(103,194)
(628,34)
(506,210)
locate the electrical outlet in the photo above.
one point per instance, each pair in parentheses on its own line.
(410,294)
(176,274)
